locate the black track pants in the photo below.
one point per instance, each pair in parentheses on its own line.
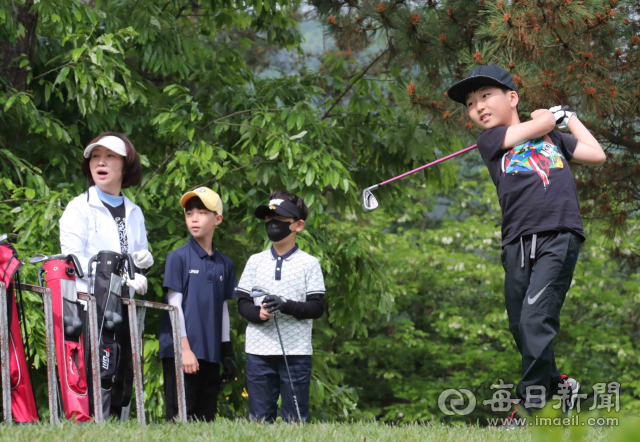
(538,273)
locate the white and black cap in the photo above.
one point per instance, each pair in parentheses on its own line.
(279,207)
(491,75)
(113,143)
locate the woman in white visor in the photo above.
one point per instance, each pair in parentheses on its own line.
(103,219)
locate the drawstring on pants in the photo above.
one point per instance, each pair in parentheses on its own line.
(534,239)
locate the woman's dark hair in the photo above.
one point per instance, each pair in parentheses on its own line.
(132,169)
(295,199)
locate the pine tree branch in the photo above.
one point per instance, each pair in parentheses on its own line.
(348,88)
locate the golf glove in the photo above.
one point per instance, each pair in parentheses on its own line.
(562,117)
(139,283)
(273,303)
(143,259)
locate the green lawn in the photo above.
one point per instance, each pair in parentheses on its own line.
(230,431)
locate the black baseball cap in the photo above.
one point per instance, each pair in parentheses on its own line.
(278,207)
(491,75)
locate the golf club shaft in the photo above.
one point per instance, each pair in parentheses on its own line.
(293,393)
(440,160)
(467,149)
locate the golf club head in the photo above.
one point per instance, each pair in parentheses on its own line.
(369,201)
(256,292)
(38,257)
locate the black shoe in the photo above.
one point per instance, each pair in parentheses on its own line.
(518,419)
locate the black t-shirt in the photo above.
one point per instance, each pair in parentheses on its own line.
(119,215)
(534,183)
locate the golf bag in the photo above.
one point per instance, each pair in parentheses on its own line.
(116,360)
(23,404)
(69,330)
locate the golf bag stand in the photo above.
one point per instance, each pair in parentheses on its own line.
(70,322)
(136,311)
(18,400)
(113,329)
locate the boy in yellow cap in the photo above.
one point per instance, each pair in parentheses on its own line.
(199,281)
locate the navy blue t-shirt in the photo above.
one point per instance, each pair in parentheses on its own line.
(205,281)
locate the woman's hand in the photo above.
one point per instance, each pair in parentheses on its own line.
(139,284)
(143,259)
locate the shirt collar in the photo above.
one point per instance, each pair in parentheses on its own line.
(286,256)
(200,251)
(94,200)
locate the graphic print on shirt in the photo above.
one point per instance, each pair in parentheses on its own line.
(536,156)
(122,234)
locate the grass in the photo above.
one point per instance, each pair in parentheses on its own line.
(231,431)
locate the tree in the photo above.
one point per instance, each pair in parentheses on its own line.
(173,76)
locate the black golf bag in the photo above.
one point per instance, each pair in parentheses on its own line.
(116,363)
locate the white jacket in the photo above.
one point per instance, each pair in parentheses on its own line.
(87,227)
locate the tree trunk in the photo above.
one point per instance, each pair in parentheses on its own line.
(9,68)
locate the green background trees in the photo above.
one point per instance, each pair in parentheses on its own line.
(414,301)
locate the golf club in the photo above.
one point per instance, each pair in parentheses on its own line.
(255,293)
(369,201)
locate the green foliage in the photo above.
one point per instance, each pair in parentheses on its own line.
(174,79)
(448,325)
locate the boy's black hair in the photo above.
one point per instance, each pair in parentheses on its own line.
(195,203)
(295,199)
(502,88)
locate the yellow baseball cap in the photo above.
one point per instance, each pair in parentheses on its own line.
(209,198)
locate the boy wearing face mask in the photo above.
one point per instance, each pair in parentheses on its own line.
(296,286)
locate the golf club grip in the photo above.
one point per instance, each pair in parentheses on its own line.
(76,264)
(130,267)
(93,259)
(440,160)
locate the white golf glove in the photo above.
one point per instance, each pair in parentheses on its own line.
(143,259)
(562,117)
(139,283)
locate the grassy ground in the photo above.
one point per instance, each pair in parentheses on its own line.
(231,431)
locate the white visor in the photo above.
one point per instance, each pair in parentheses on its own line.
(111,142)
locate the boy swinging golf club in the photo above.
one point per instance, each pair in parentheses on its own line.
(279,351)
(541,223)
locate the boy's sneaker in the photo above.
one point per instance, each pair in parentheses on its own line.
(574,390)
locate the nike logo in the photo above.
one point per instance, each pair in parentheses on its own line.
(531,300)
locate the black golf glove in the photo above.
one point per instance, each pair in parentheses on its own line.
(273,303)
(229,370)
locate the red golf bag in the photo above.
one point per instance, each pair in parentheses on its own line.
(23,404)
(68,319)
